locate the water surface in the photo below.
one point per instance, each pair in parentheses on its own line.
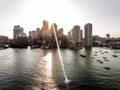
(37,69)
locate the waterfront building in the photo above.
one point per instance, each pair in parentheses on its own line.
(70,41)
(34,34)
(52,36)
(20,38)
(45,31)
(39,33)
(45,25)
(60,33)
(113,43)
(16,31)
(55,27)
(107,36)
(21,41)
(30,35)
(3,39)
(81,35)
(69,36)
(64,41)
(76,34)
(88,35)
(52,30)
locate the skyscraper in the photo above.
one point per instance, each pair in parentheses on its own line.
(81,35)
(60,33)
(88,35)
(45,25)
(16,31)
(30,35)
(34,34)
(76,34)
(107,36)
(45,30)
(55,26)
(52,30)
(39,33)
(69,35)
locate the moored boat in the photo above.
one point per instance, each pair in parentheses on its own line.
(82,55)
(107,68)
(114,55)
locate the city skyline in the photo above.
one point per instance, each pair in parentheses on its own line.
(105,16)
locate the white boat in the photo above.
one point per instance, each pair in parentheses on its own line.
(82,55)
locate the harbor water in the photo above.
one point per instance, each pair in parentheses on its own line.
(39,69)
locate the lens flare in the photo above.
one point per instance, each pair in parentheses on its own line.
(63,69)
(67,81)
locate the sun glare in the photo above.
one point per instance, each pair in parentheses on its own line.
(48,59)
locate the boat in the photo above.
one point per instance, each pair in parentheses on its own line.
(34,46)
(106,60)
(44,47)
(107,68)
(114,55)
(47,47)
(6,46)
(106,51)
(95,54)
(100,61)
(82,55)
(104,57)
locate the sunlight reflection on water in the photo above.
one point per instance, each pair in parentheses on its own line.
(45,78)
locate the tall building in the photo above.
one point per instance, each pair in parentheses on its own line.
(55,26)
(45,31)
(52,30)
(21,41)
(39,33)
(81,35)
(16,31)
(30,35)
(20,38)
(107,36)
(88,35)
(60,33)
(3,39)
(34,34)
(76,34)
(45,25)
(69,35)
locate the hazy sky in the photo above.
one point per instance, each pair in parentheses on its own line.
(103,14)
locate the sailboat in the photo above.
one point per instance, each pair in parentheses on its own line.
(82,54)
